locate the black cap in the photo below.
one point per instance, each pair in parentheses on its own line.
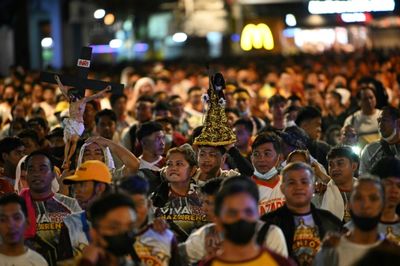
(148,128)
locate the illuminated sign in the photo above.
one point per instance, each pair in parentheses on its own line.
(349,6)
(83,63)
(353,17)
(257,37)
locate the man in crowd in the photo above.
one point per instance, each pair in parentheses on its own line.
(207,240)
(303,224)
(210,160)
(243,129)
(388,170)
(12,149)
(179,114)
(118,104)
(266,156)
(106,124)
(194,106)
(343,164)
(236,213)
(9,95)
(13,222)
(41,126)
(366,205)
(91,180)
(143,113)
(243,103)
(277,105)
(389,128)
(161,110)
(152,140)
(173,138)
(336,111)
(312,96)
(46,209)
(112,234)
(30,139)
(152,247)
(310,120)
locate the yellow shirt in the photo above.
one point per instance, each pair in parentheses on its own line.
(263,259)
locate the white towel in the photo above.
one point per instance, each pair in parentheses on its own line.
(332,200)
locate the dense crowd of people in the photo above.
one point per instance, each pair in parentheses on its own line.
(292,161)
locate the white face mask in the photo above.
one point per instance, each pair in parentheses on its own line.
(168,139)
(268,175)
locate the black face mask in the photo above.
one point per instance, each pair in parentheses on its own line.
(240,232)
(120,245)
(365,224)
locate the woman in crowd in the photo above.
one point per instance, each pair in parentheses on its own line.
(177,199)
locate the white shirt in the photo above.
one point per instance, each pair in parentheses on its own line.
(271,196)
(364,124)
(30,257)
(154,248)
(350,252)
(206,241)
(150,165)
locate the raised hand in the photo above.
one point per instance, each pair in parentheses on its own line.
(99,140)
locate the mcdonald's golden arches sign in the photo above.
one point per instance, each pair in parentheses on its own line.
(256,37)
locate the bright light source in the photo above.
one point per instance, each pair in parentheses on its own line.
(141,47)
(103,49)
(99,13)
(325,37)
(356,149)
(120,35)
(349,6)
(109,19)
(257,37)
(353,17)
(127,25)
(47,42)
(235,37)
(214,37)
(179,37)
(115,43)
(315,20)
(289,32)
(290,20)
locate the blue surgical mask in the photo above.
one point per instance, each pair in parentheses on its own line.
(268,175)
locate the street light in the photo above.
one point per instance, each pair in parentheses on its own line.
(99,13)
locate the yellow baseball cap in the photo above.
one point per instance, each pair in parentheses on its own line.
(61,106)
(91,170)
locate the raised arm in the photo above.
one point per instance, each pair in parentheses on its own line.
(63,89)
(100,94)
(128,158)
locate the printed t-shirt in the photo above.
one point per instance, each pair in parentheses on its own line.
(271,196)
(50,213)
(184,213)
(154,248)
(306,239)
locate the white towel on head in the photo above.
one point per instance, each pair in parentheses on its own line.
(108,159)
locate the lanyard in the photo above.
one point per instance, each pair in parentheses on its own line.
(85,226)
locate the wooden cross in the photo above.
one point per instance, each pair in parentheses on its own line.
(81,82)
